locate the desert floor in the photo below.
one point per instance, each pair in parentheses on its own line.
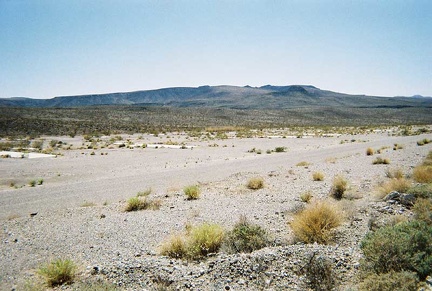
(79,208)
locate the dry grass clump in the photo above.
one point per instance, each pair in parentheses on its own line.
(381,161)
(395,173)
(370,151)
(58,272)
(423,142)
(302,164)
(422,174)
(316,223)
(197,243)
(142,203)
(88,204)
(144,193)
(401,185)
(306,196)
(318,176)
(397,146)
(340,186)
(192,192)
(255,183)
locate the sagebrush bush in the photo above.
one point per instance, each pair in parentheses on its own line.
(280,149)
(381,161)
(340,186)
(370,151)
(403,247)
(316,223)
(389,281)
(423,142)
(302,164)
(318,176)
(58,272)
(255,183)
(245,237)
(401,185)
(394,173)
(144,193)
(423,174)
(421,190)
(192,192)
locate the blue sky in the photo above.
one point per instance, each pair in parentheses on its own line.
(70,47)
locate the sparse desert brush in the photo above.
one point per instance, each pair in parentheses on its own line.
(302,164)
(205,239)
(397,146)
(390,281)
(316,223)
(306,196)
(32,183)
(370,151)
(423,142)
(381,161)
(421,190)
(403,247)
(141,203)
(40,181)
(423,210)
(340,186)
(318,176)
(394,173)
(280,149)
(245,237)
(423,174)
(319,273)
(58,272)
(255,183)
(401,185)
(174,247)
(192,192)
(88,204)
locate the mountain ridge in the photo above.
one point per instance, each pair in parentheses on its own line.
(225,96)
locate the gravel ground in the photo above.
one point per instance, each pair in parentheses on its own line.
(122,247)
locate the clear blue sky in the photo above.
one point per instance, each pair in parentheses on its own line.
(68,47)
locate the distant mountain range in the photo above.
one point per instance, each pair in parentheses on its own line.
(265,97)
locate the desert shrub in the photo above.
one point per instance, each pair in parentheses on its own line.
(302,164)
(306,196)
(394,173)
(397,146)
(95,286)
(40,181)
(318,176)
(255,183)
(423,210)
(403,247)
(370,151)
(423,142)
(421,190)
(141,203)
(319,274)
(192,192)
(88,204)
(381,161)
(245,237)
(423,174)
(205,239)
(280,149)
(400,185)
(389,281)
(316,223)
(174,247)
(32,183)
(37,144)
(53,143)
(339,187)
(58,272)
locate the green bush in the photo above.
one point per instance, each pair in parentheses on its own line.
(403,247)
(319,274)
(141,203)
(423,210)
(421,190)
(389,281)
(205,239)
(192,192)
(245,237)
(280,149)
(58,272)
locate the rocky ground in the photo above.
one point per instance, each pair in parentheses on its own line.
(78,211)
